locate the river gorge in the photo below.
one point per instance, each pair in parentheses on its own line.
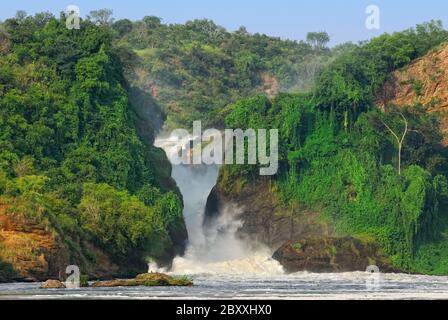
(224,266)
(325,175)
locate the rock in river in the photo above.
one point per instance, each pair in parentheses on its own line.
(52,284)
(146,279)
(326,254)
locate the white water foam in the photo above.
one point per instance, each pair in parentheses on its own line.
(216,249)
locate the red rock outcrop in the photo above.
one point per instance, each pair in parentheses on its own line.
(424,81)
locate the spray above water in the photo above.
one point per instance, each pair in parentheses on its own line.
(214,249)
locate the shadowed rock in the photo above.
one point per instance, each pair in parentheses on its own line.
(322,255)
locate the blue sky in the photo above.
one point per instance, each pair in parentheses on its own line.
(342,19)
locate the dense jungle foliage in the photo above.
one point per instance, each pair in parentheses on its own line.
(70,155)
(196,69)
(76,153)
(337,155)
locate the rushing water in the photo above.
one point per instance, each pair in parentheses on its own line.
(224,267)
(222,286)
(214,249)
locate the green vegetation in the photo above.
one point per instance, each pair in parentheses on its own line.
(78,109)
(418,88)
(338,157)
(84,281)
(196,69)
(350,84)
(71,157)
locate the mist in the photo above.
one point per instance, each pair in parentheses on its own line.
(213,248)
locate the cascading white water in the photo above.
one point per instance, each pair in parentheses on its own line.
(216,250)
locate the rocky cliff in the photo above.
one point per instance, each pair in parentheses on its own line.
(425,81)
(300,239)
(33,252)
(264,219)
(326,254)
(30,251)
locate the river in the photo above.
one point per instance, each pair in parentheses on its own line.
(298,286)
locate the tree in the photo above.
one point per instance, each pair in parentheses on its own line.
(121,223)
(42,18)
(318,39)
(21,15)
(123,26)
(400,140)
(242,31)
(101,17)
(152,22)
(24,167)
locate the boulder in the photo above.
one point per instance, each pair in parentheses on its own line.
(52,284)
(146,279)
(328,254)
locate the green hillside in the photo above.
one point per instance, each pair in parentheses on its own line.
(338,157)
(194,70)
(70,155)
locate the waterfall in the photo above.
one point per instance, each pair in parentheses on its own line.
(215,249)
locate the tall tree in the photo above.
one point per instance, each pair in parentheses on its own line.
(318,39)
(101,17)
(400,139)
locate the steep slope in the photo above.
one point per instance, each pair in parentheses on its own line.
(79,176)
(424,81)
(340,182)
(196,69)
(33,252)
(265,220)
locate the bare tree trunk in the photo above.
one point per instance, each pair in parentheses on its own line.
(399,141)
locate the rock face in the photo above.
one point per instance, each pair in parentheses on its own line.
(264,219)
(52,284)
(329,255)
(146,279)
(424,81)
(34,253)
(31,252)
